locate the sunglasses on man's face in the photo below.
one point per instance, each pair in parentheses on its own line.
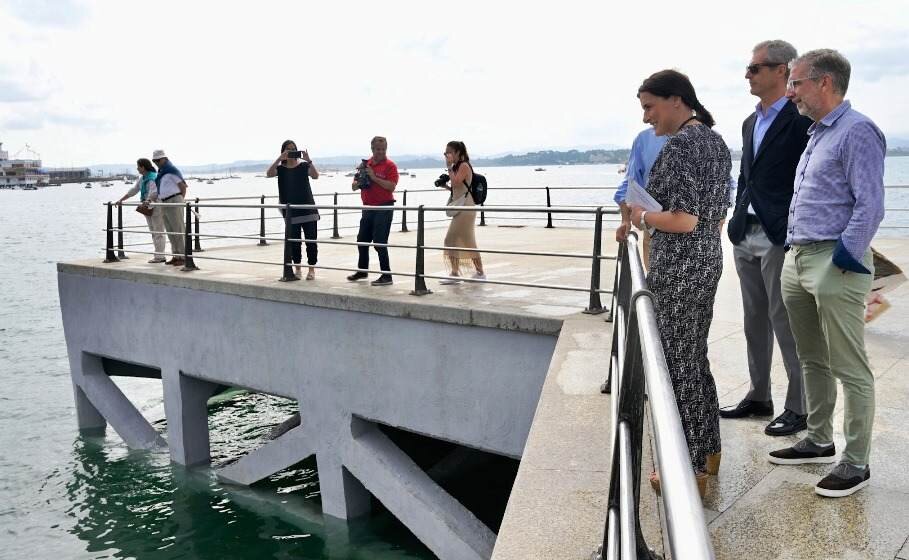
(755,68)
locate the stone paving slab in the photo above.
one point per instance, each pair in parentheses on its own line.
(904,553)
(782,518)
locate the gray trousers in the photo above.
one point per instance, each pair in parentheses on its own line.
(156,223)
(174,220)
(759,264)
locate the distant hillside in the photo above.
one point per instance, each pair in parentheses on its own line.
(413,161)
(897,143)
(551,157)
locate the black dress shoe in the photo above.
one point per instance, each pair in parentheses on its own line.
(383,280)
(359,275)
(747,408)
(787,423)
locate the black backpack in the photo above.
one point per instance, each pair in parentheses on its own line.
(478,188)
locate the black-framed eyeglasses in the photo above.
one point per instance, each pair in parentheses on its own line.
(791,84)
(755,68)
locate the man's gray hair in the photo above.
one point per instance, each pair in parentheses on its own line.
(777,51)
(828,62)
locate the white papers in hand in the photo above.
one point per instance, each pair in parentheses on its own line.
(638,196)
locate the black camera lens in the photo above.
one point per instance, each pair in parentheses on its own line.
(443,178)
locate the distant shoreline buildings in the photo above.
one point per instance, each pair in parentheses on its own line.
(21,173)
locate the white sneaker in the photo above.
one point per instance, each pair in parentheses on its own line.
(454,280)
(479,276)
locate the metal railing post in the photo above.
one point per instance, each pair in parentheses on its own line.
(618,312)
(120,254)
(621,259)
(288,275)
(197,247)
(262,223)
(419,282)
(594,307)
(627,444)
(188,263)
(404,214)
(334,232)
(482,214)
(110,256)
(548,214)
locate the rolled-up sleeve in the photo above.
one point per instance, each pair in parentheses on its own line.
(634,160)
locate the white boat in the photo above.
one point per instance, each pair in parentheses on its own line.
(22,172)
(107,184)
(88,185)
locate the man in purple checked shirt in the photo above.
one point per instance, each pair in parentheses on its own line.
(837,206)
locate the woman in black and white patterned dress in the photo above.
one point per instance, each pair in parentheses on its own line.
(689,179)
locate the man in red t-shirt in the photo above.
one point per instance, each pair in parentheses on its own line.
(375,225)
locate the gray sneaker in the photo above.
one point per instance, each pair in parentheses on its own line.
(805,451)
(845,479)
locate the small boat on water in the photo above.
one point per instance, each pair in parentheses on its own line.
(209,182)
(107,184)
(88,185)
(540,169)
(622,169)
(29,187)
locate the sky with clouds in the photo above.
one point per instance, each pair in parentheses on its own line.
(108,81)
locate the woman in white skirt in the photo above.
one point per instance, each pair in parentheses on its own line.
(461,230)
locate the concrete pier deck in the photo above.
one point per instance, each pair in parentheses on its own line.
(558,423)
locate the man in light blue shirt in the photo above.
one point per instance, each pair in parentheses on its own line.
(644,151)
(836,208)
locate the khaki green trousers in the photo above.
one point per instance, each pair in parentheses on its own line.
(826,309)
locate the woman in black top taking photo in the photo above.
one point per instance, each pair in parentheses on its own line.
(294,169)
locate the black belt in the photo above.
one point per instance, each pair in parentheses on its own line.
(752,220)
(170,197)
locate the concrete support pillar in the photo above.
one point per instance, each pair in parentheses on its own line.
(342,494)
(87,416)
(185,404)
(97,395)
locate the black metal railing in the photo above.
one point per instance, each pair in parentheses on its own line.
(192,237)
